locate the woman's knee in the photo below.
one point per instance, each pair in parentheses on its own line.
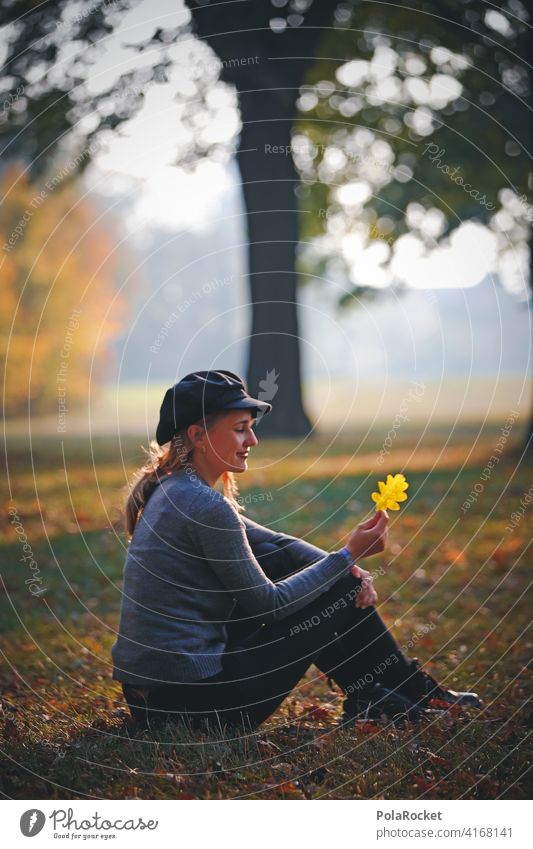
(345,589)
(339,604)
(275,562)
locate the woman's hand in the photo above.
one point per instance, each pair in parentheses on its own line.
(367,596)
(369,537)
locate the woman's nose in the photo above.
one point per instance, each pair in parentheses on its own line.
(252,439)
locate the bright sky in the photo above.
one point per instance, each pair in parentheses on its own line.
(175,200)
(147,146)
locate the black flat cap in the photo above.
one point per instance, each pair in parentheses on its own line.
(200,393)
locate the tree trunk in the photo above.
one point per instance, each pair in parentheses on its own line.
(269,180)
(268,88)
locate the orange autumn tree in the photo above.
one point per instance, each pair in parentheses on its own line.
(58,269)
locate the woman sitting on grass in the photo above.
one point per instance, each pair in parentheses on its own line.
(222,617)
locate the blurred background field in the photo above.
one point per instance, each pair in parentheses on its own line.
(336,406)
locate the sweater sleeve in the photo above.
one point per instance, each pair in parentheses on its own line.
(301,553)
(220,535)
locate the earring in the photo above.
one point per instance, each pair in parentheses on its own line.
(203,449)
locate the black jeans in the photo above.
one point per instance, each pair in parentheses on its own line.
(261,665)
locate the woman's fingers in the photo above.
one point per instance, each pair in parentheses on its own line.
(369,537)
(367,595)
(366,600)
(379,516)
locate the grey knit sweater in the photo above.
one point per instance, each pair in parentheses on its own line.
(188,563)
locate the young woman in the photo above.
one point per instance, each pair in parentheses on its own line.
(220,616)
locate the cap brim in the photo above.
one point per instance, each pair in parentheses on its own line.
(248,404)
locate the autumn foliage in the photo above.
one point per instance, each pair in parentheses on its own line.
(60,309)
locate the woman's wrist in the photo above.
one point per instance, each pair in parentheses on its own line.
(350,559)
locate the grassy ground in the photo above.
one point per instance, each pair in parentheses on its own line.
(66,732)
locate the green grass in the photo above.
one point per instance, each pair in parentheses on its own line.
(66,732)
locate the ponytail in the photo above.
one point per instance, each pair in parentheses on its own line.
(162,461)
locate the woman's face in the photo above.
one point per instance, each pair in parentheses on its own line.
(228,442)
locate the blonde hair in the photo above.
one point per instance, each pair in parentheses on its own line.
(163,460)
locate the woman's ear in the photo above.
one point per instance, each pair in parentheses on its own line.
(196,435)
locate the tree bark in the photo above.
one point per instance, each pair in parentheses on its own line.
(268,88)
(269,179)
